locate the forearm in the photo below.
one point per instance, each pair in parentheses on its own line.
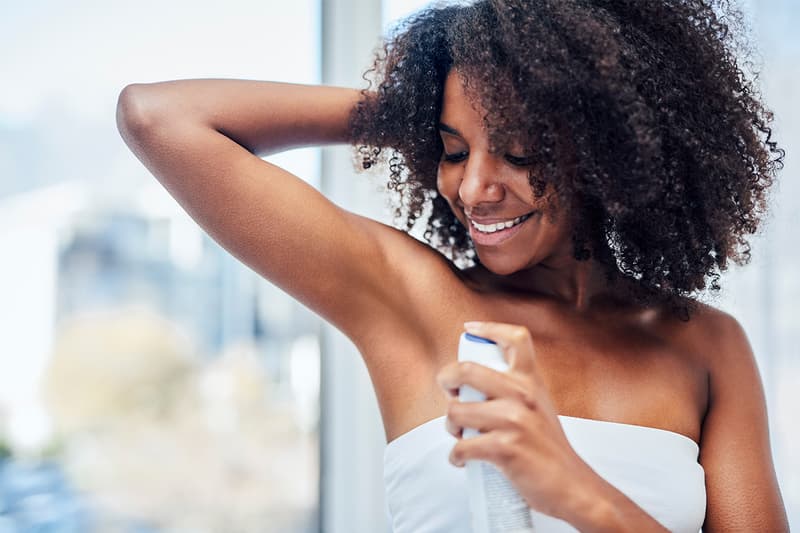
(599,507)
(263,116)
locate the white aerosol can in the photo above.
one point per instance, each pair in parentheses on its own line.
(495,504)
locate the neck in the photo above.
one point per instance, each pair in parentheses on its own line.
(575,284)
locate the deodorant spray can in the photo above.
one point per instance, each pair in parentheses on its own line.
(495,505)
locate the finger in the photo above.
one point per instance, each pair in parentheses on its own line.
(446,379)
(452,428)
(499,414)
(513,339)
(492,383)
(523,388)
(496,447)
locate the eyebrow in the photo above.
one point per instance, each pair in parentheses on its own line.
(449,129)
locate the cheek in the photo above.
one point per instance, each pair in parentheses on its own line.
(558,230)
(447,184)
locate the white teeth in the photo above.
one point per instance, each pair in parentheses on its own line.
(491,228)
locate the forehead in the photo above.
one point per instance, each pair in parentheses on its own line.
(459,109)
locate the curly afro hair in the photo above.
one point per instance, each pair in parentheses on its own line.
(637,113)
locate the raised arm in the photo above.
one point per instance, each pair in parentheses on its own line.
(201,139)
(261,116)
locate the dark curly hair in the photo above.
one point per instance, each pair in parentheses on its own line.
(636,112)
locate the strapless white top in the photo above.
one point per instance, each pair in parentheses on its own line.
(655,468)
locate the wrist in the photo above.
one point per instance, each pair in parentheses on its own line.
(596,506)
(590,506)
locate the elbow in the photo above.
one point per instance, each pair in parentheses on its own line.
(136,111)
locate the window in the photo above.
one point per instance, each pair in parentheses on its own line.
(148,380)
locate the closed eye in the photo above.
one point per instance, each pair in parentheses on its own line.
(519,161)
(455,157)
(458,157)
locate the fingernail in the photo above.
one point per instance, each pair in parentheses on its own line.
(472,325)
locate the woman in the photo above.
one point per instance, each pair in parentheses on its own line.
(588,167)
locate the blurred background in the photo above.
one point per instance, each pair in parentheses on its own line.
(149,382)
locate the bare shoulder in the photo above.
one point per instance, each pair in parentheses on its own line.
(710,335)
(735,450)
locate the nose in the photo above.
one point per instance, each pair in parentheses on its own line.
(480,183)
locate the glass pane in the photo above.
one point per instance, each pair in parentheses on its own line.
(149,382)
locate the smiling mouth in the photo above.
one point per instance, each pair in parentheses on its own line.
(488,229)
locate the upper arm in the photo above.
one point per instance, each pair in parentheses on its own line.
(741,485)
(347,268)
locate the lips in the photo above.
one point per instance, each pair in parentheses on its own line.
(498,234)
(492,226)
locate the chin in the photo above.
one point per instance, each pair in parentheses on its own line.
(502,264)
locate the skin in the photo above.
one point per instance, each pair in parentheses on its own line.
(574,348)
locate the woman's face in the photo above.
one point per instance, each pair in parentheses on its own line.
(490,193)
